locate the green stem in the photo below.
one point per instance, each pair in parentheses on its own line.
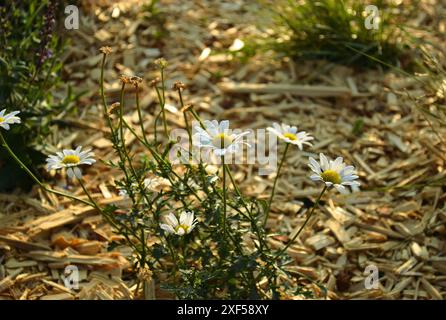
(189,133)
(197,117)
(160,100)
(121,115)
(89,196)
(164,104)
(275,183)
(316,204)
(237,190)
(124,147)
(174,257)
(138,108)
(104,102)
(29,172)
(224,196)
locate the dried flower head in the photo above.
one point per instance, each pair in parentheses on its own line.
(124,79)
(106,50)
(135,80)
(178,85)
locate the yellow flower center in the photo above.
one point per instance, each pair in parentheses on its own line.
(331,176)
(2,119)
(222,140)
(71,159)
(290,136)
(182,226)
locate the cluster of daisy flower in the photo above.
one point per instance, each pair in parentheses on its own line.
(216,137)
(212,135)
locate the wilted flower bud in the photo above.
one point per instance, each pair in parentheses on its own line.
(136,81)
(178,85)
(106,50)
(124,79)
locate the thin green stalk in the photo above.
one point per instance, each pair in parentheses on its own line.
(121,116)
(110,220)
(189,133)
(275,183)
(89,196)
(197,117)
(174,257)
(316,204)
(121,128)
(104,102)
(155,125)
(250,217)
(142,262)
(237,190)
(224,197)
(164,103)
(141,123)
(29,172)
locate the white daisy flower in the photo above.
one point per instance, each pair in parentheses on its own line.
(70,159)
(7,119)
(334,173)
(217,137)
(184,226)
(290,134)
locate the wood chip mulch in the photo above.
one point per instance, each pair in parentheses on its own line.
(395,222)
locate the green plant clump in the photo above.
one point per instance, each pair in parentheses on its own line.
(29,68)
(340,31)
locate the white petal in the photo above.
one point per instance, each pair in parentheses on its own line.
(224,125)
(277,127)
(77,172)
(341,188)
(219,152)
(274,131)
(314,165)
(70,173)
(187,218)
(351,183)
(337,165)
(324,162)
(167,228)
(171,219)
(292,130)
